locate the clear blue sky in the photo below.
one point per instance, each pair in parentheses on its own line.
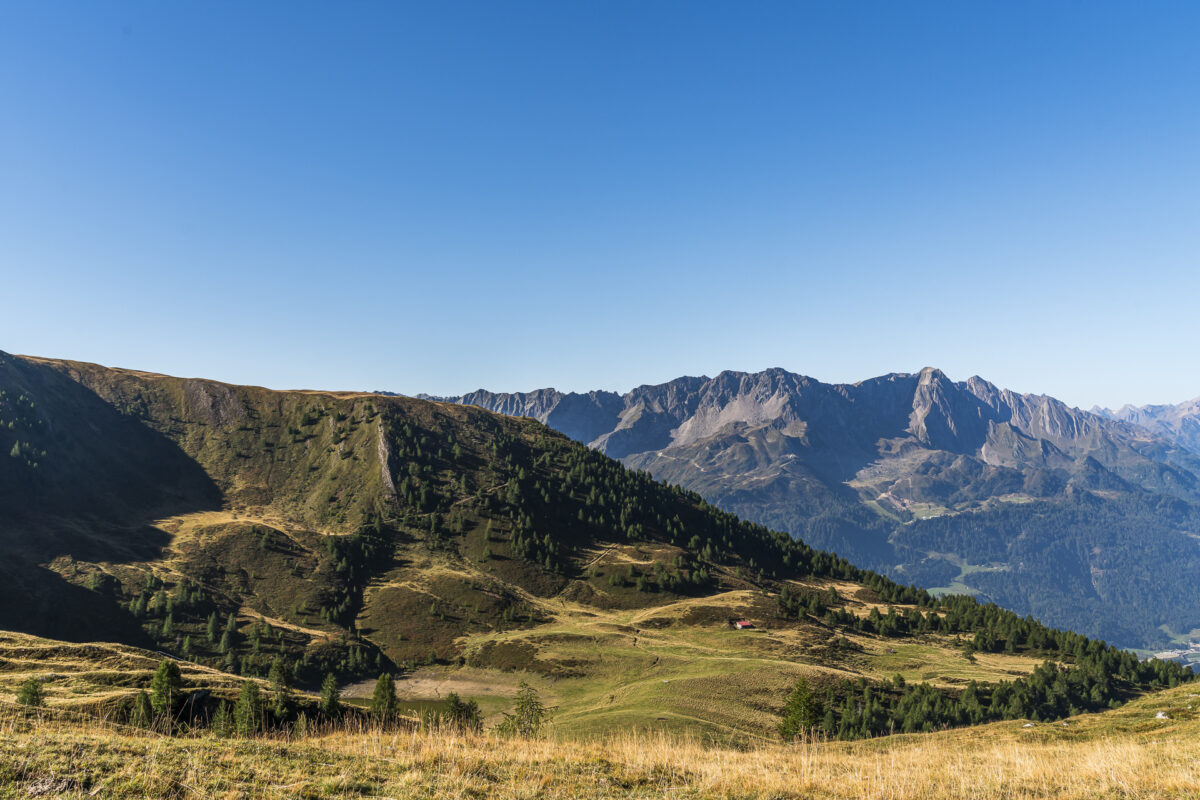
(442,196)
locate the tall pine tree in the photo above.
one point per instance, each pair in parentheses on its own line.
(248,711)
(802,713)
(383,701)
(331,696)
(166,688)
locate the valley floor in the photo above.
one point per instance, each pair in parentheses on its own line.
(1128,753)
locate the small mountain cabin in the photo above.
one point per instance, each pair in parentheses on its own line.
(742,624)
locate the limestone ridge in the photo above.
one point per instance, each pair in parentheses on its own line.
(873,419)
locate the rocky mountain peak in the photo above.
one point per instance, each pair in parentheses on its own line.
(930,376)
(945,416)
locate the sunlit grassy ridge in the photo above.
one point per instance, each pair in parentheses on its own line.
(92,677)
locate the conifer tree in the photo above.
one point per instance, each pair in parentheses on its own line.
(331,696)
(529,715)
(142,714)
(30,694)
(383,701)
(462,715)
(248,710)
(166,687)
(281,688)
(222,723)
(802,713)
(229,639)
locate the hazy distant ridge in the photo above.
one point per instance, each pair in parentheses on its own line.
(1180,423)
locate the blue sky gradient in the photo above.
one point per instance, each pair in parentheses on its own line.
(442,196)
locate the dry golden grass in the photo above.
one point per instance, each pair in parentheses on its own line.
(1125,754)
(91,675)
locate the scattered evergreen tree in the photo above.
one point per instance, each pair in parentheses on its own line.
(248,710)
(331,696)
(462,715)
(222,722)
(529,715)
(229,639)
(166,687)
(281,688)
(30,694)
(383,701)
(142,714)
(802,714)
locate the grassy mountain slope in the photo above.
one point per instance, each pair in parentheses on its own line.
(1132,752)
(94,678)
(358,533)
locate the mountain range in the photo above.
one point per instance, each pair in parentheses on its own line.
(1179,423)
(1089,520)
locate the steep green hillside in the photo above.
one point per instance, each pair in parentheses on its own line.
(359,533)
